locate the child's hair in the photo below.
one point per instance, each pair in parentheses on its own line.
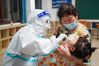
(83,49)
(66,9)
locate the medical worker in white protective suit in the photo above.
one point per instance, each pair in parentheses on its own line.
(29,43)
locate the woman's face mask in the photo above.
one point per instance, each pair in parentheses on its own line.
(71,26)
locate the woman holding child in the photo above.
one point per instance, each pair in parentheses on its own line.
(68,17)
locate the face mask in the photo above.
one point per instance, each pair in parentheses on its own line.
(70,26)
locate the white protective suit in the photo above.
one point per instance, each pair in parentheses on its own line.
(28,45)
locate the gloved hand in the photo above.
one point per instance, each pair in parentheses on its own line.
(61,37)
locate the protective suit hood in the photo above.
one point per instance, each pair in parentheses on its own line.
(40,21)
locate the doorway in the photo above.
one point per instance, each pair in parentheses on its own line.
(38,4)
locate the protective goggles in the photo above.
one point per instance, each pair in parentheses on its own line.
(43,14)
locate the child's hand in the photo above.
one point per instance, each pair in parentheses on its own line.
(64,50)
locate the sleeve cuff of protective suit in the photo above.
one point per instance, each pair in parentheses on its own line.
(51,51)
(54,42)
(55,45)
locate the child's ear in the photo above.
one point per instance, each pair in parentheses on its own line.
(93,49)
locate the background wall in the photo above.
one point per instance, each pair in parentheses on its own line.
(30,6)
(46,5)
(88,9)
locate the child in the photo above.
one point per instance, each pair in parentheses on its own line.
(70,54)
(81,51)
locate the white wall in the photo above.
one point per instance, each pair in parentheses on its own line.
(47,5)
(73,2)
(30,6)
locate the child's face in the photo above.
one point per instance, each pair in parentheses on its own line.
(73,38)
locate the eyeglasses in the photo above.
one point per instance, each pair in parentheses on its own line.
(68,19)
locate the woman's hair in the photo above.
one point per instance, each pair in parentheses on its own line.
(66,9)
(83,49)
